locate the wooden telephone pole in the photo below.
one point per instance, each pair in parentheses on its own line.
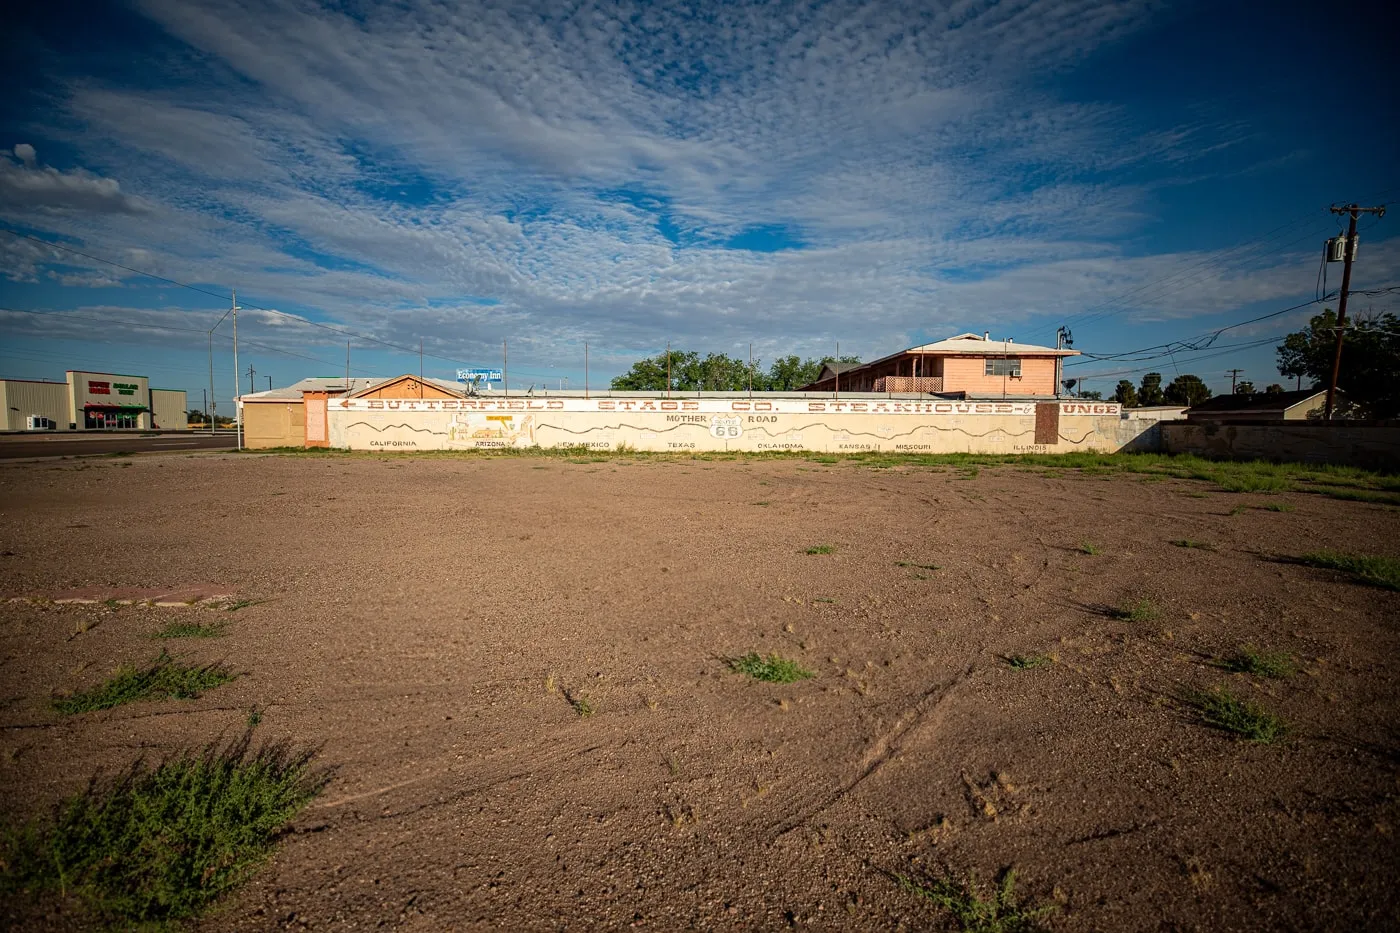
(1348,254)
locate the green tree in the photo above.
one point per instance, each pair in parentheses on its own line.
(1126,394)
(1187,390)
(1370,360)
(789,373)
(647,375)
(1092,394)
(1273,388)
(1150,392)
(1245,388)
(718,372)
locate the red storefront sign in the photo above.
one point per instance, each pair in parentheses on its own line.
(99,388)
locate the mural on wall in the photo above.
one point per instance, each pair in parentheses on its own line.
(719,424)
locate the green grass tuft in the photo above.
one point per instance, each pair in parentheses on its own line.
(1198,545)
(191,630)
(1144,610)
(161,844)
(910,563)
(772,669)
(1086,548)
(999,913)
(581,704)
(1223,710)
(164,679)
(1251,482)
(1276,507)
(820,549)
(1377,571)
(1248,660)
(1026,662)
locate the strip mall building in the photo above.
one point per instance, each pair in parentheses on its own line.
(91,402)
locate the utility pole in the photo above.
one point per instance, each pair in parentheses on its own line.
(213,401)
(1234,374)
(1348,254)
(1063,338)
(206,407)
(269,383)
(237,409)
(250,378)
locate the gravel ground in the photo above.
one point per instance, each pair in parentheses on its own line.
(427,623)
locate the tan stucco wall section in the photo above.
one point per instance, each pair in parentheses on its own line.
(403,430)
(1369,446)
(273,424)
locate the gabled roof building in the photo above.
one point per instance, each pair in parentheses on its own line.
(964,366)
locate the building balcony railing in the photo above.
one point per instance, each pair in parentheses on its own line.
(909,384)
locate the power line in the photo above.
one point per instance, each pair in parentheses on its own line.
(1201,342)
(195,288)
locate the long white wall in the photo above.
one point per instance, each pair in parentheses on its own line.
(720,424)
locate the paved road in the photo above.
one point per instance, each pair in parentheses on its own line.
(60,445)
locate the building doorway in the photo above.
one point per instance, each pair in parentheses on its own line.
(112,419)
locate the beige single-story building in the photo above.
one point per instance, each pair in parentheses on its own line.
(278,417)
(89,401)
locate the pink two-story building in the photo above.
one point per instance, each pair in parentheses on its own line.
(970,365)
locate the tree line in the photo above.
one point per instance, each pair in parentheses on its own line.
(1367,380)
(718,372)
(1370,363)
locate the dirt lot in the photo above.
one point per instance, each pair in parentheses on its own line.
(426,622)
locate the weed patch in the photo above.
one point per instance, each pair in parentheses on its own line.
(1026,662)
(1223,710)
(999,913)
(1086,548)
(820,549)
(1275,507)
(911,564)
(1198,545)
(1251,482)
(1144,610)
(1248,660)
(164,679)
(1377,571)
(581,704)
(772,669)
(191,630)
(161,844)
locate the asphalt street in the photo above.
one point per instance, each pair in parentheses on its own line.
(14,447)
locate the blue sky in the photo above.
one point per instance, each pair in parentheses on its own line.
(708,174)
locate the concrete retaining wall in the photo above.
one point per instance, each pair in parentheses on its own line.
(727,424)
(1373,446)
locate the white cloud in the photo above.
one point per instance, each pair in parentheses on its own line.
(904,145)
(26,186)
